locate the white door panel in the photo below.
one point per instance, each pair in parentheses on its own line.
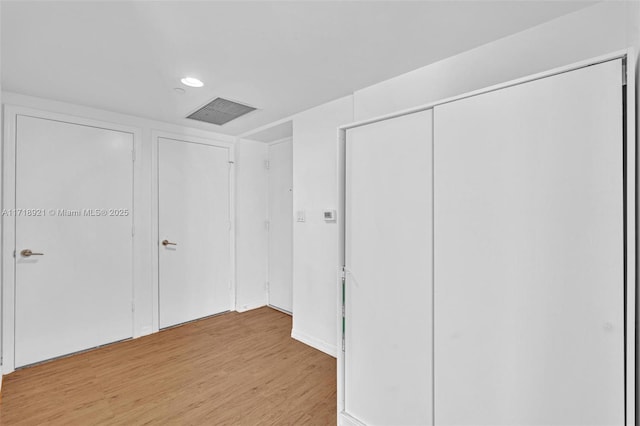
(193,209)
(281,225)
(79,293)
(388,337)
(529,278)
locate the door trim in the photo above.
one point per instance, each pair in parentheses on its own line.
(11,113)
(155,236)
(631,302)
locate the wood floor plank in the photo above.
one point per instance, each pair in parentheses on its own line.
(231,369)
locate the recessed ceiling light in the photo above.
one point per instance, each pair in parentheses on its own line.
(192,82)
(179,90)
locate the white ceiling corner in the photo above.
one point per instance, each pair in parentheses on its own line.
(282,57)
(271,133)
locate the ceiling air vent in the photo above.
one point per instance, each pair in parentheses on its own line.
(220,111)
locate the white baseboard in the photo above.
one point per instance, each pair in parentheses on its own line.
(144,331)
(284,311)
(315,343)
(249,306)
(346,420)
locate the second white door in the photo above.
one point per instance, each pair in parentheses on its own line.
(193,229)
(281,225)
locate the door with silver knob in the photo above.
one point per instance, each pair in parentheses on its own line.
(73,268)
(194,232)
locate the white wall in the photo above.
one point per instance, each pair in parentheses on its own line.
(315,255)
(251,231)
(144,210)
(600,29)
(590,32)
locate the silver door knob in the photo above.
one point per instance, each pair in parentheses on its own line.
(168,243)
(28,253)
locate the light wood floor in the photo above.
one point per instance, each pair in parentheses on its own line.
(233,369)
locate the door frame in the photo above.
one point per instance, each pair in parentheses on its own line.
(631,216)
(8,239)
(155,233)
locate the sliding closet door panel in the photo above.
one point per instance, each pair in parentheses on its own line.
(388,339)
(529,239)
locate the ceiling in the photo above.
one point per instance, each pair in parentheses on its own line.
(273,133)
(282,57)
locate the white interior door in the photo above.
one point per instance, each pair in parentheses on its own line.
(529,266)
(388,336)
(74,194)
(281,225)
(194,223)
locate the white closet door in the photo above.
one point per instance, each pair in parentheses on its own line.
(281,225)
(388,338)
(529,267)
(193,214)
(77,294)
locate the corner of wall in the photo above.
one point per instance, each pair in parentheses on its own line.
(315,241)
(593,31)
(251,306)
(328,348)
